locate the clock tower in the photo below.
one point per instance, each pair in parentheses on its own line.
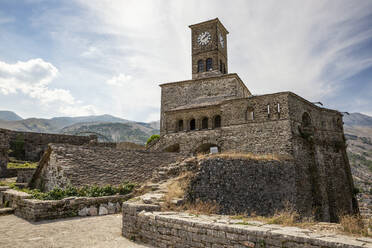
(209,49)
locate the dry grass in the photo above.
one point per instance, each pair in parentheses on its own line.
(200,207)
(355,225)
(176,190)
(248,156)
(349,225)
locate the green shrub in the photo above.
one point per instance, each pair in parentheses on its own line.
(153,137)
(84,191)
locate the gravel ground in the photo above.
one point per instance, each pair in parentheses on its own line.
(100,231)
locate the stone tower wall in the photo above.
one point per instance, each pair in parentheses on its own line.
(207,91)
(323,154)
(266,133)
(212,50)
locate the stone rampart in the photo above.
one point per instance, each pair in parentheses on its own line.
(34,144)
(170,229)
(65,164)
(4,147)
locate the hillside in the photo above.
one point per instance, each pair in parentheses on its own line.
(9,116)
(113,129)
(114,132)
(358,132)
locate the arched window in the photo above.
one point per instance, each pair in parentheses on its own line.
(200,66)
(209,64)
(306,120)
(217,121)
(192,124)
(249,114)
(221,68)
(205,123)
(180,125)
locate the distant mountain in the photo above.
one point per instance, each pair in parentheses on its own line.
(357,119)
(114,132)
(358,132)
(9,116)
(113,128)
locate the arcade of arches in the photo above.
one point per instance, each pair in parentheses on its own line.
(199,123)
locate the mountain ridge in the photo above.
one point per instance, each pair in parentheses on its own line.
(114,129)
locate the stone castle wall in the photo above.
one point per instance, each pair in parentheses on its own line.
(4,147)
(200,92)
(240,185)
(146,224)
(36,143)
(65,164)
(265,133)
(324,168)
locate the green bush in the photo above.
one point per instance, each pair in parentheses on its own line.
(85,191)
(153,137)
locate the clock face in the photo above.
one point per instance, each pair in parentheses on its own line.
(221,40)
(204,38)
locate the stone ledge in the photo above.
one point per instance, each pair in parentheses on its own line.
(36,210)
(162,229)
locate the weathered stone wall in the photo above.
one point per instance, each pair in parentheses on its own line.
(37,210)
(320,152)
(193,93)
(87,165)
(24,175)
(141,223)
(35,144)
(245,185)
(4,147)
(213,49)
(269,131)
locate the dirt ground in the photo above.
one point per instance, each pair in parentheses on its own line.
(92,232)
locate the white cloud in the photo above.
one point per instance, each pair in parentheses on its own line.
(119,80)
(308,47)
(33,78)
(91,52)
(78,111)
(301,46)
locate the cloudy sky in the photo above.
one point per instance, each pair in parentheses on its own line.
(80,57)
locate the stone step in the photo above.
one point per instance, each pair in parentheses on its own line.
(6,211)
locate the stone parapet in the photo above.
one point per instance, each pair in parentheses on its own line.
(171,229)
(37,210)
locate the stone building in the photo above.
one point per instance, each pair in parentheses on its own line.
(216,109)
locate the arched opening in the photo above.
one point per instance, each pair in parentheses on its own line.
(224,68)
(306,120)
(217,121)
(180,125)
(249,114)
(221,68)
(205,148)
(173,148)
(200,66)
(209,64)
(192,124)
(205,123)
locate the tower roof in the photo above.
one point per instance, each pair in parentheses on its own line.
(215,20)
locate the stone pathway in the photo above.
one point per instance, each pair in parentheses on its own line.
(92,232)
